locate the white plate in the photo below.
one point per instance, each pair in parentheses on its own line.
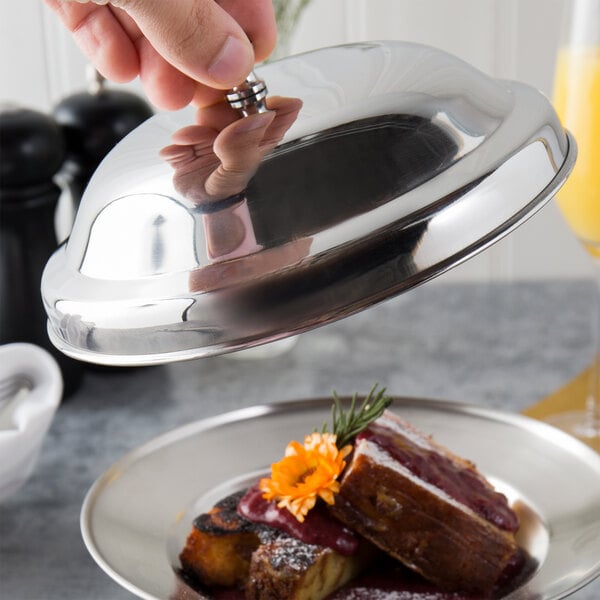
(136,516)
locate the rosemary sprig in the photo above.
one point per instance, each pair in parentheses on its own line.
(348,424)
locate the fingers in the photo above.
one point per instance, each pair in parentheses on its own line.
(238,149)
(191,156)
(212,166)
(286,110)
(206,96)
(164,85)
(238,146)
(198,37)
(257,19)
(218,115)
(181,49)
(223,151)
(101,37)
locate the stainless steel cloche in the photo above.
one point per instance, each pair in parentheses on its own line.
(366,170)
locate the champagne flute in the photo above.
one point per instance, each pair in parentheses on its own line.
(577,101)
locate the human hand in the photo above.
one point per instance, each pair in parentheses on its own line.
(216,157)
(183,50)
(213,162)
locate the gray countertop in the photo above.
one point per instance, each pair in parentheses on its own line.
(497,345)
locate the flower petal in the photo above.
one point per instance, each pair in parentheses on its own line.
(306,472)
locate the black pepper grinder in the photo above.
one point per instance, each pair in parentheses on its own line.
(31,151)
(92,123)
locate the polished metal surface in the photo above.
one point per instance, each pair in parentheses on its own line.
(250,97)
(377,167)
(136,516)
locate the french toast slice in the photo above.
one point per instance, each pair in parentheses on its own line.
(225,550)
(219,547)
(426,507)
(288,569)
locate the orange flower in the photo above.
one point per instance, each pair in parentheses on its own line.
(307,472)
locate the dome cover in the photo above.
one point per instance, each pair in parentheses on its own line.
(380,166)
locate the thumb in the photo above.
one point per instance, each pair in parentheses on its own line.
(198,37)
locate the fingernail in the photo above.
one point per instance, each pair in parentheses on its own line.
(254,122)
(230,60)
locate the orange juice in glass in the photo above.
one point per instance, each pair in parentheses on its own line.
(577,101)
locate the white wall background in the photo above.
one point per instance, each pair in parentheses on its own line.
(515,39)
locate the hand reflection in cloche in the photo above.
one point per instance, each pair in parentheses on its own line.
(214,160)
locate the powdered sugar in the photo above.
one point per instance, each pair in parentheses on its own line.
(291,554)
(368,593)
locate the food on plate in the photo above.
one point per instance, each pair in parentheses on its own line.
(220,546)
(375,488)
(224,549)
(426,507)
(287,568)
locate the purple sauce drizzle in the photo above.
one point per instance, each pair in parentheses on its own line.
(318,527)
(463,485)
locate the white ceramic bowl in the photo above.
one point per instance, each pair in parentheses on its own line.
(30,391)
